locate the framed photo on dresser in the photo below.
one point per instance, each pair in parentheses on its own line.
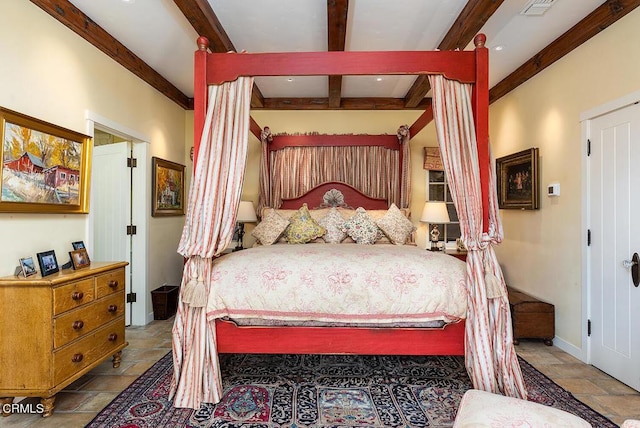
(48,262)
(28,266)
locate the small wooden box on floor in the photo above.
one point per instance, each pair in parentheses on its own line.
(531,318)
(57,328)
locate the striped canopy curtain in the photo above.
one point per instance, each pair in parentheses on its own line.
(211,216)
(490,358)
(371,169)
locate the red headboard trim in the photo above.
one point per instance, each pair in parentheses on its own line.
(352,197)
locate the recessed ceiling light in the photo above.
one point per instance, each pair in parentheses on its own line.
(498,48)
(378,79)
(290,79)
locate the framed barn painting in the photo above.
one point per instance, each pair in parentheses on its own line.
(518,182)
(45,168)
(167,188)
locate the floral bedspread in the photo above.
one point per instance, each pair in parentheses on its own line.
(338,283)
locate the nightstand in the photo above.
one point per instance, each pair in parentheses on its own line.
(462,255)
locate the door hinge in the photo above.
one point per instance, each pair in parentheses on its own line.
(588,237)
(132,162)
(588,147)
(588,327)
(131,298)
(131,229)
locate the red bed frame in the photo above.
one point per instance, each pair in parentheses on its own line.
(465,66)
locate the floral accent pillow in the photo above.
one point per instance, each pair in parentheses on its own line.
(270,228)
(395,225)
(303,228)
(361,228)
(333,223)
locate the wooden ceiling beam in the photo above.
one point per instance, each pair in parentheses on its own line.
(470,21)
(204,20)
(74,19)
(602,17)
(346,104)
(337,35)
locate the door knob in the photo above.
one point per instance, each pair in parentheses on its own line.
(633,264)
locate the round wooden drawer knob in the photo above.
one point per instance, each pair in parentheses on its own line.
(113,283)
(113,308)
(77,295)
(77,358)
(113,337)
(77,325)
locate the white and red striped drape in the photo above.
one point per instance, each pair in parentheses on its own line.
(490,358)
(371,169)
(209,223)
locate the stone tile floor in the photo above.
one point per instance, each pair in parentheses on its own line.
(81,401)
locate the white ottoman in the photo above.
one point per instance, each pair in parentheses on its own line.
(484,409)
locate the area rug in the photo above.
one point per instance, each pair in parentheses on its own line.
(268,391)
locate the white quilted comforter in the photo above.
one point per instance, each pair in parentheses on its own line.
(348,283)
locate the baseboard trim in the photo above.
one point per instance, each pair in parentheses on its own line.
(570,349)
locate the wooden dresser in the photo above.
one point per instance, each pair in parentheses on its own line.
(57,328)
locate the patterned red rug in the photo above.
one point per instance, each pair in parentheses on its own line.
(298,391)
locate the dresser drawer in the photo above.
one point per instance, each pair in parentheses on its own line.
(72,295)
(94,347)
(74,324)
(110,283)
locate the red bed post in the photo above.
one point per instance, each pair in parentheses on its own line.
(481,108)
(200,95)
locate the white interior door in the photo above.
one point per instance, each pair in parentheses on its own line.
(111,206)
(614,222)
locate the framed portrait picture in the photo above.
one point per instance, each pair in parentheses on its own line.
(167,188)
(78,245)
(79,258)
(48,263)
(28,266)
(45,168)
(518,180)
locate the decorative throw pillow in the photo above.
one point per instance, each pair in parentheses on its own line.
(333,223)
(395,225)
(361,228)
(270,228)
(303,228)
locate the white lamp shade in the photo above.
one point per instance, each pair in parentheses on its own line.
(435,212)
(246,212)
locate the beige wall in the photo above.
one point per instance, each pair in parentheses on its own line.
(541,253)
(50,73)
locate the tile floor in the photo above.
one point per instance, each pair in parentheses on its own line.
(81,401)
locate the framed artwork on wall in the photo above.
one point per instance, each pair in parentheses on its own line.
(517,178)
(167,188)
(45,168)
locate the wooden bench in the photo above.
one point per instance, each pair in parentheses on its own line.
(531,318)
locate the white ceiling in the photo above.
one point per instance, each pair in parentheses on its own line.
(158,33)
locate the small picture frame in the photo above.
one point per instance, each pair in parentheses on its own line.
(517,180)
(28,266)
(79,258)
(77,245)
(48,263)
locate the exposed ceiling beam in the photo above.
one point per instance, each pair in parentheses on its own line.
(337,35)
(81,24)
(345,104)
(602,17)
(204,20)
(470,21)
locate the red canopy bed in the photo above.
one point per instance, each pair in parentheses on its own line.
(199,336)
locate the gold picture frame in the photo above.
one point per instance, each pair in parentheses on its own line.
(45,168)
(518,180)
(167,194)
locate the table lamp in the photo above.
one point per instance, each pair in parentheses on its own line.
(246,214)
(434,212)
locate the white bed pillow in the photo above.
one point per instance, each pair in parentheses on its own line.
(361,228)
(270,228)
(395,225)
(333,223)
